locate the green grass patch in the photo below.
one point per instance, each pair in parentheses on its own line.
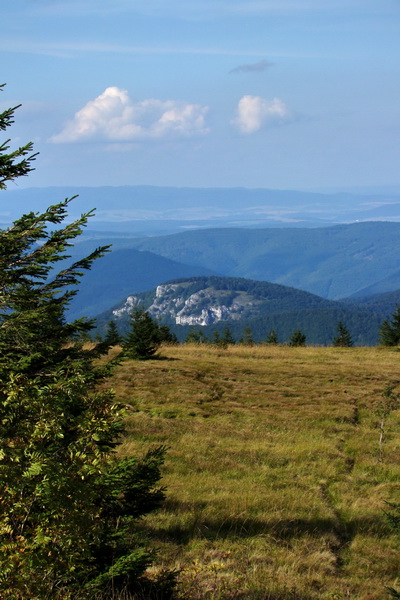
(276,483)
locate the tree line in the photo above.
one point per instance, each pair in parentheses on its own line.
(145,336)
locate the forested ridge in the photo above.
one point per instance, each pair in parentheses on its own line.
(265,306)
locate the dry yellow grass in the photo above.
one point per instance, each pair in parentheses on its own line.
(275,484)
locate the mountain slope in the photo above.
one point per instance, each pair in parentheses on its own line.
(332,262)
(214,302)
(384,304)
(383,286)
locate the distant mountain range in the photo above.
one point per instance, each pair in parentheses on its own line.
(212,303)
(301,240)
(332,262)
(150,210)
(342,261)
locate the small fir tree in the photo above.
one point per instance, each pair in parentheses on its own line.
(217,339)
(223,340)
(166,336)
(343,338)
(272,338)
(196,337)
(389,334)
(112,337)
(247,337)
(297,338)
(143,339)
(228,337)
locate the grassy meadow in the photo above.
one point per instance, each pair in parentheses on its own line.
(279,464)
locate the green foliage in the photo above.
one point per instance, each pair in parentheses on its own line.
(196,337)
(389,334)
(297,338)
(217,340)
(18,162)
(247,337)
(342,338)
(68,505)
(112,337)
(144,338)
(223,340)
(227,336)
(166,336)
(272,338)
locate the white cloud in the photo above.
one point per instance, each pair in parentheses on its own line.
(114,117)
(254,113)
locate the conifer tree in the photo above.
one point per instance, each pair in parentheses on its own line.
(272,338)
(143,339)
(67,505)
(166,336)
(196,337)
(17,163)
(222,340)
(228,337)
(247,337)
(297,339)
(112,337)
(217,339)
(389,334)
(342,338)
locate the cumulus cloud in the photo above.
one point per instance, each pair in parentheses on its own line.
(258,67)
(114,117)
(254,113)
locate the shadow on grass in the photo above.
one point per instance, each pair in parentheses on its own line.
(197,525)
(157,357)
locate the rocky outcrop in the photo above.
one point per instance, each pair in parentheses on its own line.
(127,307)
(203,307)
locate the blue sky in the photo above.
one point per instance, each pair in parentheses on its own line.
(289,94)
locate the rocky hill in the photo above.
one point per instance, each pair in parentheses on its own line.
(213,303)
